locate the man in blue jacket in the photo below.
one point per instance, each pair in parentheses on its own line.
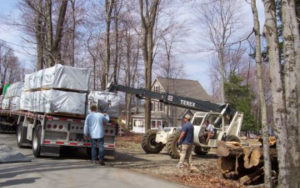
(186,140)
(93,126)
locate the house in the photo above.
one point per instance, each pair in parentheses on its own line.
(167,115)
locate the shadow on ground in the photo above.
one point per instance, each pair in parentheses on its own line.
(18,182)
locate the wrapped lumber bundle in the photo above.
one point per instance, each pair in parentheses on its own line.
(11,99)
(58,77)
(54,101)
(58,90)
(107,102)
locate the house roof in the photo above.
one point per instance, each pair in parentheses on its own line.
(183,87)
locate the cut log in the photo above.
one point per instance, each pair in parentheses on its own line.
(272,141)
(222,149)
(250,178)
(225,149)
(251,157)
(244,162)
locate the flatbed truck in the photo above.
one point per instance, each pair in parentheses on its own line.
(48,134)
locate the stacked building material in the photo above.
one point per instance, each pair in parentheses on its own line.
(107,102)
(11,99)
(56,90)
(58,77)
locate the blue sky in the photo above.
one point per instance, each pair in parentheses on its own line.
(196,65)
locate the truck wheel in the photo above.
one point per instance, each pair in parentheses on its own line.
(36,142)
(232,138)
(21,136)
(200,150)
(148,143)
(172,146)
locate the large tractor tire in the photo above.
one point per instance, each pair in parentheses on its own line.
(148,143)
(200,150)
(36,141)
(232,138)
(172,145)
(21,136)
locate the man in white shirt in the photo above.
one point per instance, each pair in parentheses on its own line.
(210,130)
(93,126)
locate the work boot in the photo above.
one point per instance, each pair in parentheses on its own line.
(180,165)
(101,162)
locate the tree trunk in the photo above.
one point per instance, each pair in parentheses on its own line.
(117,43)
(72,55)
(59,31)
(148,18)
(222,69)
(49,33)
(277,89)
(291,53)
(39,36)
(108,8)
(263,106)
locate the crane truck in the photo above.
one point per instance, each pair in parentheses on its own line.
(227,122)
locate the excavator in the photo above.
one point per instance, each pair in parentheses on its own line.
(226,120)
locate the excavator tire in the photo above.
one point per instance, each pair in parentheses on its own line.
(232,138)
(172,146)
(148,143)
(200,150)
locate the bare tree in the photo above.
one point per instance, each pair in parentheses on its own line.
(109,4)
(53,44)
(220,17)
(117,8)
(10,69)
(291,44)
(277,88)
(263,106)
(72,54)
(38,32)
(148,13)
(131,67)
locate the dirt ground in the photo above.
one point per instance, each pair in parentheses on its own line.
(204,174)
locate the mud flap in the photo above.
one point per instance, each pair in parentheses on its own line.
(53,151)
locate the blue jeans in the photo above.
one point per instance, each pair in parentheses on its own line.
(100,142)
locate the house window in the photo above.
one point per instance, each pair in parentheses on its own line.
(160,106)
(153,124)
(138,123)
(158,123)
(156,89)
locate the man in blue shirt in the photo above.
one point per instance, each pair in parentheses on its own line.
(186,139)
(94,127)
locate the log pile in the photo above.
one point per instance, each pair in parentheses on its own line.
(245,163)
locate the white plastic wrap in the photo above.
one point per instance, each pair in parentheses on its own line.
(58,77)
(1,99)
(5,103)
(105,101)
(15,103)
(54,101)
(14,90)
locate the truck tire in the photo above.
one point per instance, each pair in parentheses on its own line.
(148,143)
(36,141)
(21,136)
(200,150)
(232,138)
(172,146)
